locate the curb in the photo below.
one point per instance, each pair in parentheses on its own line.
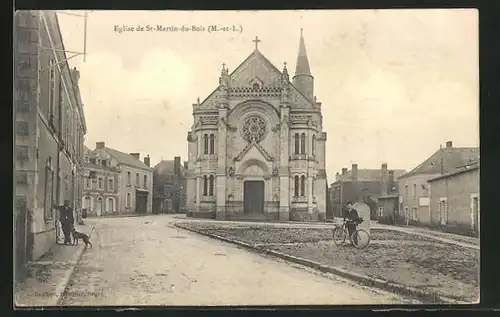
(359,278)
(63,286)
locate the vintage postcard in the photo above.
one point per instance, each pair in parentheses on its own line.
(213,158)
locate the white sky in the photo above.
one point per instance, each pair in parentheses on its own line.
(395,84)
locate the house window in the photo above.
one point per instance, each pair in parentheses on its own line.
(414,191)
(92,160)
(256,86)
(296,186)
(297,143)
(443,211)
(21,177)
(22,153)
(127,202)
(111,204)
(211,185)
(87,182)
(212,144)
(137,180)
(129,178)
(104,163)
(47,204)
(52,86)
(205,185)
(302,185)
(313,145)
(100,183)
(475,212)
(406,191)
(86,202)
(205,144)
(414,214)
(303,143)
(380,211)
(111,185)
(22,128)
(145,181)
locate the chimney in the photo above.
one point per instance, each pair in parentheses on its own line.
(344,170)
(137,156)
(185,165)
(337,176)
(391,181)
(384,180)
(75,76)
(100,145)
(177,165)
(147,160)
(354,171)
(449,145)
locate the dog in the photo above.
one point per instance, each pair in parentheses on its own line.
(78,235)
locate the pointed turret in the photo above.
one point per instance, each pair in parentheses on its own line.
(303,80)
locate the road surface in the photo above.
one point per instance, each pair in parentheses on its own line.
(148,261)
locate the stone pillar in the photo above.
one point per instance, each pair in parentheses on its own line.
(312,215)
(198,193)
(221,164)
(284,171)
(199,141)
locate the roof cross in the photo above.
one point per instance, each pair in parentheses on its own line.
(256,41)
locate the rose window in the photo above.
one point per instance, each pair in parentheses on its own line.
(254,129)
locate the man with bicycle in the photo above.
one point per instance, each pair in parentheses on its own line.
(353,220)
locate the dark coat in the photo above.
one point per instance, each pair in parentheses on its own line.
(66,215)
(353,216)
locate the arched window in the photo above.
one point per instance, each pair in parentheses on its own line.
(129,178)
(205,143)
(297,143)
(296,186)
(302,185)
(211,186)
(205,185)
(256,86)
(313,145)
(303,143)
(212,143)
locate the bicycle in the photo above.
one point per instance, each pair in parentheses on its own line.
(340,235)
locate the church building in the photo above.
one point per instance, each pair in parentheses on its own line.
(257,146)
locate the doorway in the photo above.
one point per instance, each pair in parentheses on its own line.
(253,197)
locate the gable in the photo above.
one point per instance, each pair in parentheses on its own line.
(255,69)
(254,151)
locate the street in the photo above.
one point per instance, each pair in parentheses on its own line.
(149,261)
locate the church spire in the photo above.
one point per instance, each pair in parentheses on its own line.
(302,67)
(303,80)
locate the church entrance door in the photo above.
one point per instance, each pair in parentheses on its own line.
(253,197)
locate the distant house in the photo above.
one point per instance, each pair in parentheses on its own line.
(365,185)
(454,200)
(414,195)
(169,186)
(132,185)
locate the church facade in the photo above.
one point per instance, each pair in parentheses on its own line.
(256,147)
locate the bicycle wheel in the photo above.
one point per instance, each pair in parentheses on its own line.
(360,239)
(339,236)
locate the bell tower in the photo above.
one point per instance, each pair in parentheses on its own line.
(303,80)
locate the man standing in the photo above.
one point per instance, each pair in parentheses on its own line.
(353,220)
(67,221)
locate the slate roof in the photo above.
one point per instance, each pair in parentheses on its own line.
(368,175)
(166,167)
(447,159)
(458,170)
(126,159)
